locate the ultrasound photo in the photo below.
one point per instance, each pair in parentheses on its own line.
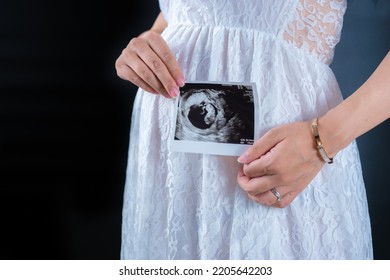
(209,114)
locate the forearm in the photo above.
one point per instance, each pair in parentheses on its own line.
(160,24)
(363,110)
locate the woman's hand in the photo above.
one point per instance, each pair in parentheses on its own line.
(148,63)
(285,158)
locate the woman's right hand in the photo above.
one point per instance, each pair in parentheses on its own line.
(148,63)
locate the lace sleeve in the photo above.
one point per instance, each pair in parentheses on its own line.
(316,27)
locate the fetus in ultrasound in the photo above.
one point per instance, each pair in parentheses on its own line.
(213,115)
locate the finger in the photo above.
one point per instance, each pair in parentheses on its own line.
(153,87)
(273,163)
(162,62)
(148,77)
(261,166)
(269,199)
(159,70)
(286,200)
(255,185)
(128,69)
(131,57)
(161,48)
(261,146)
(127,73)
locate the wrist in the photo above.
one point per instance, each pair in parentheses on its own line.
(159,31)
(335,133)
(318,143)
(159,25)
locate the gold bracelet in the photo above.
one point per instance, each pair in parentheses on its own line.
(320,148)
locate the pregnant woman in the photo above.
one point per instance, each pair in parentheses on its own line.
(281,200)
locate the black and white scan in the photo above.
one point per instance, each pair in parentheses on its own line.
(220,113)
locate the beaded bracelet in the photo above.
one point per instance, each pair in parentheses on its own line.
(320,148)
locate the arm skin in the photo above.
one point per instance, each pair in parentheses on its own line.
(286,156)
(148,63)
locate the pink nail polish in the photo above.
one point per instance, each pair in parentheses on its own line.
(243,158)
(174,92)
(180,82)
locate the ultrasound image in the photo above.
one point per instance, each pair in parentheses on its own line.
(215,113)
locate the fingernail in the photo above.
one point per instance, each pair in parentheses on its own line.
(243,158)
(180,82)
(174,92)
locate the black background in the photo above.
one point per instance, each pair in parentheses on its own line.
(65,116)
(64,125)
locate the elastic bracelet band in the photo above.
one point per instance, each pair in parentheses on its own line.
(320,148)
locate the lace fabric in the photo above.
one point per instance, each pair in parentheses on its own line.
(316,27)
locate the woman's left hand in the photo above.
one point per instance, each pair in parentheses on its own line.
(285,159)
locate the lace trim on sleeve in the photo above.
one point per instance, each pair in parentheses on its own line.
(316,27)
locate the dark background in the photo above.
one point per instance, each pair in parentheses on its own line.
(65,117)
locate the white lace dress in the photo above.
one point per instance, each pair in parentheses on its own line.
(189,206)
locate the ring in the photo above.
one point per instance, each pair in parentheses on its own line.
(277,194)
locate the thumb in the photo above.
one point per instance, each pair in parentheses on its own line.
(261,146)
